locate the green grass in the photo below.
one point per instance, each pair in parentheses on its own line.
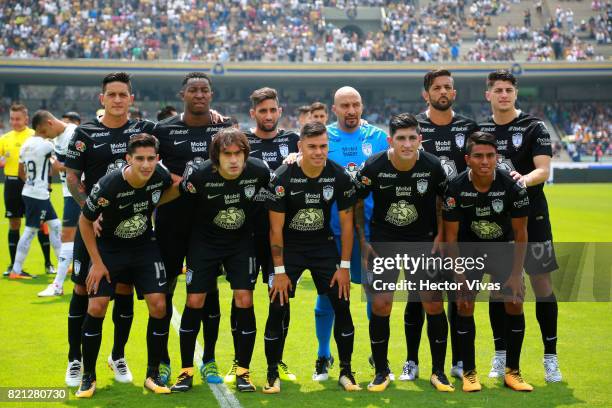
(33,338)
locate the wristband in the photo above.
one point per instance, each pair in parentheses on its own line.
(279,269)
(345,264)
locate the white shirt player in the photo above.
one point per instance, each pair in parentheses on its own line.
(61,147)
(35,154)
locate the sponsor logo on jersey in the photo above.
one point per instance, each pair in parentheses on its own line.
(214,184)
(486,229)
(154,186)
(119,148)
(328,192)
(230,219)
(132,227)
(327,180)
(312,198)
(296,180)
(179,131)
(307,219)
(427,130)
(442,145)
(123,194)
(483,211)
(468,194)
(132,130)
(99,134)
(141,206)
(387,175)
(248,181)
(401,214)
(402,191)
(199,146)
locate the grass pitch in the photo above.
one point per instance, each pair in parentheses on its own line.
(34,345)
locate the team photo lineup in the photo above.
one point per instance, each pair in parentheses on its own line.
(193,195)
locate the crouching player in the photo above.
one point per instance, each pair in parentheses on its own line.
(485,205)
(125,251)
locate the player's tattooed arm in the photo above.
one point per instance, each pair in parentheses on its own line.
(75,186)
(98,270)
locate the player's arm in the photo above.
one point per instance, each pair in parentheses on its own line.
(342,276)
(75,186)
(98,269)
(439,239)
(21,172)
(281,284)
(538,175)
(367,251)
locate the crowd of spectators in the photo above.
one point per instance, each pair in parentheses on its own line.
(286,30)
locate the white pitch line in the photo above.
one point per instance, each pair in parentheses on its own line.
(222,394)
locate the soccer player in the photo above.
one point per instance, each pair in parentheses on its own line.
(72,117)
(303,114)
(300,203)
(486,205)
(51,127)
(35,163)
(10,144)
(97,148)
(524,145)
(445,133)
(223,188)
(351,142)
(125,251)
(166,112)
(318,113)
(272,145)
(184,139)
(407,187)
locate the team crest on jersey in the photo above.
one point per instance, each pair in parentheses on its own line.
(328,192)
(76,267)
(460,140)
(249,191)
(366,148)
(498,205)
(280,191)
(190,187)
(401,214)
(80,146)
(188,277)
(517,140)
(155,196)
(422,186)
(103,202)
(284,150)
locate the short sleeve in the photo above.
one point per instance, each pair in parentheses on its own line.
(275,199)
(440,180)
(363,180)
(76,154)
(540,140)
(165,176)
(191,180)
(519,201)
(347,194)
(450,206)
(99,198)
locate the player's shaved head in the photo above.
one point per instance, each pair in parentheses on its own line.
(344,92)
(41,117)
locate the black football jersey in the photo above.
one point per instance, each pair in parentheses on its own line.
(307,202)
(273,151)
(180,143)
(485,216)
(224,208)
(97,150)
(518,142)
(447,142)
(404,201)
(126,211)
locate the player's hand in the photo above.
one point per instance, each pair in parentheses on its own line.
(367,253)
(343,278)
(97,226)
(95,275)
(217,117)
(438,245)
(363,122)
(281,285)
(175,179)
(517,285)
(291,158)
(522,180)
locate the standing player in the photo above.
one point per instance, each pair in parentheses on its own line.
(351,142)
(183,139)
(445,133)
(125,251)
(10,144)
(299,206)
(51,127)
(407,187)
(223,189)
(272,145)
(72,117)
(97,148)
(485,205)
(523,143)
(303,115)
(318,113)
(35,163)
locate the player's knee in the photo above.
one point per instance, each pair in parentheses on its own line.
(195,300)
(541,284)
(124,289)
(465,309)
(433,308)
(323,306)
(157,305)
(274,325)
(68,234)
(80,290)
(382,305)
(513,308)
(243,298)
(97,306)
(14,223)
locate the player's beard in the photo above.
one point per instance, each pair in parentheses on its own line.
(268,128)
(441,107)
(349,126)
